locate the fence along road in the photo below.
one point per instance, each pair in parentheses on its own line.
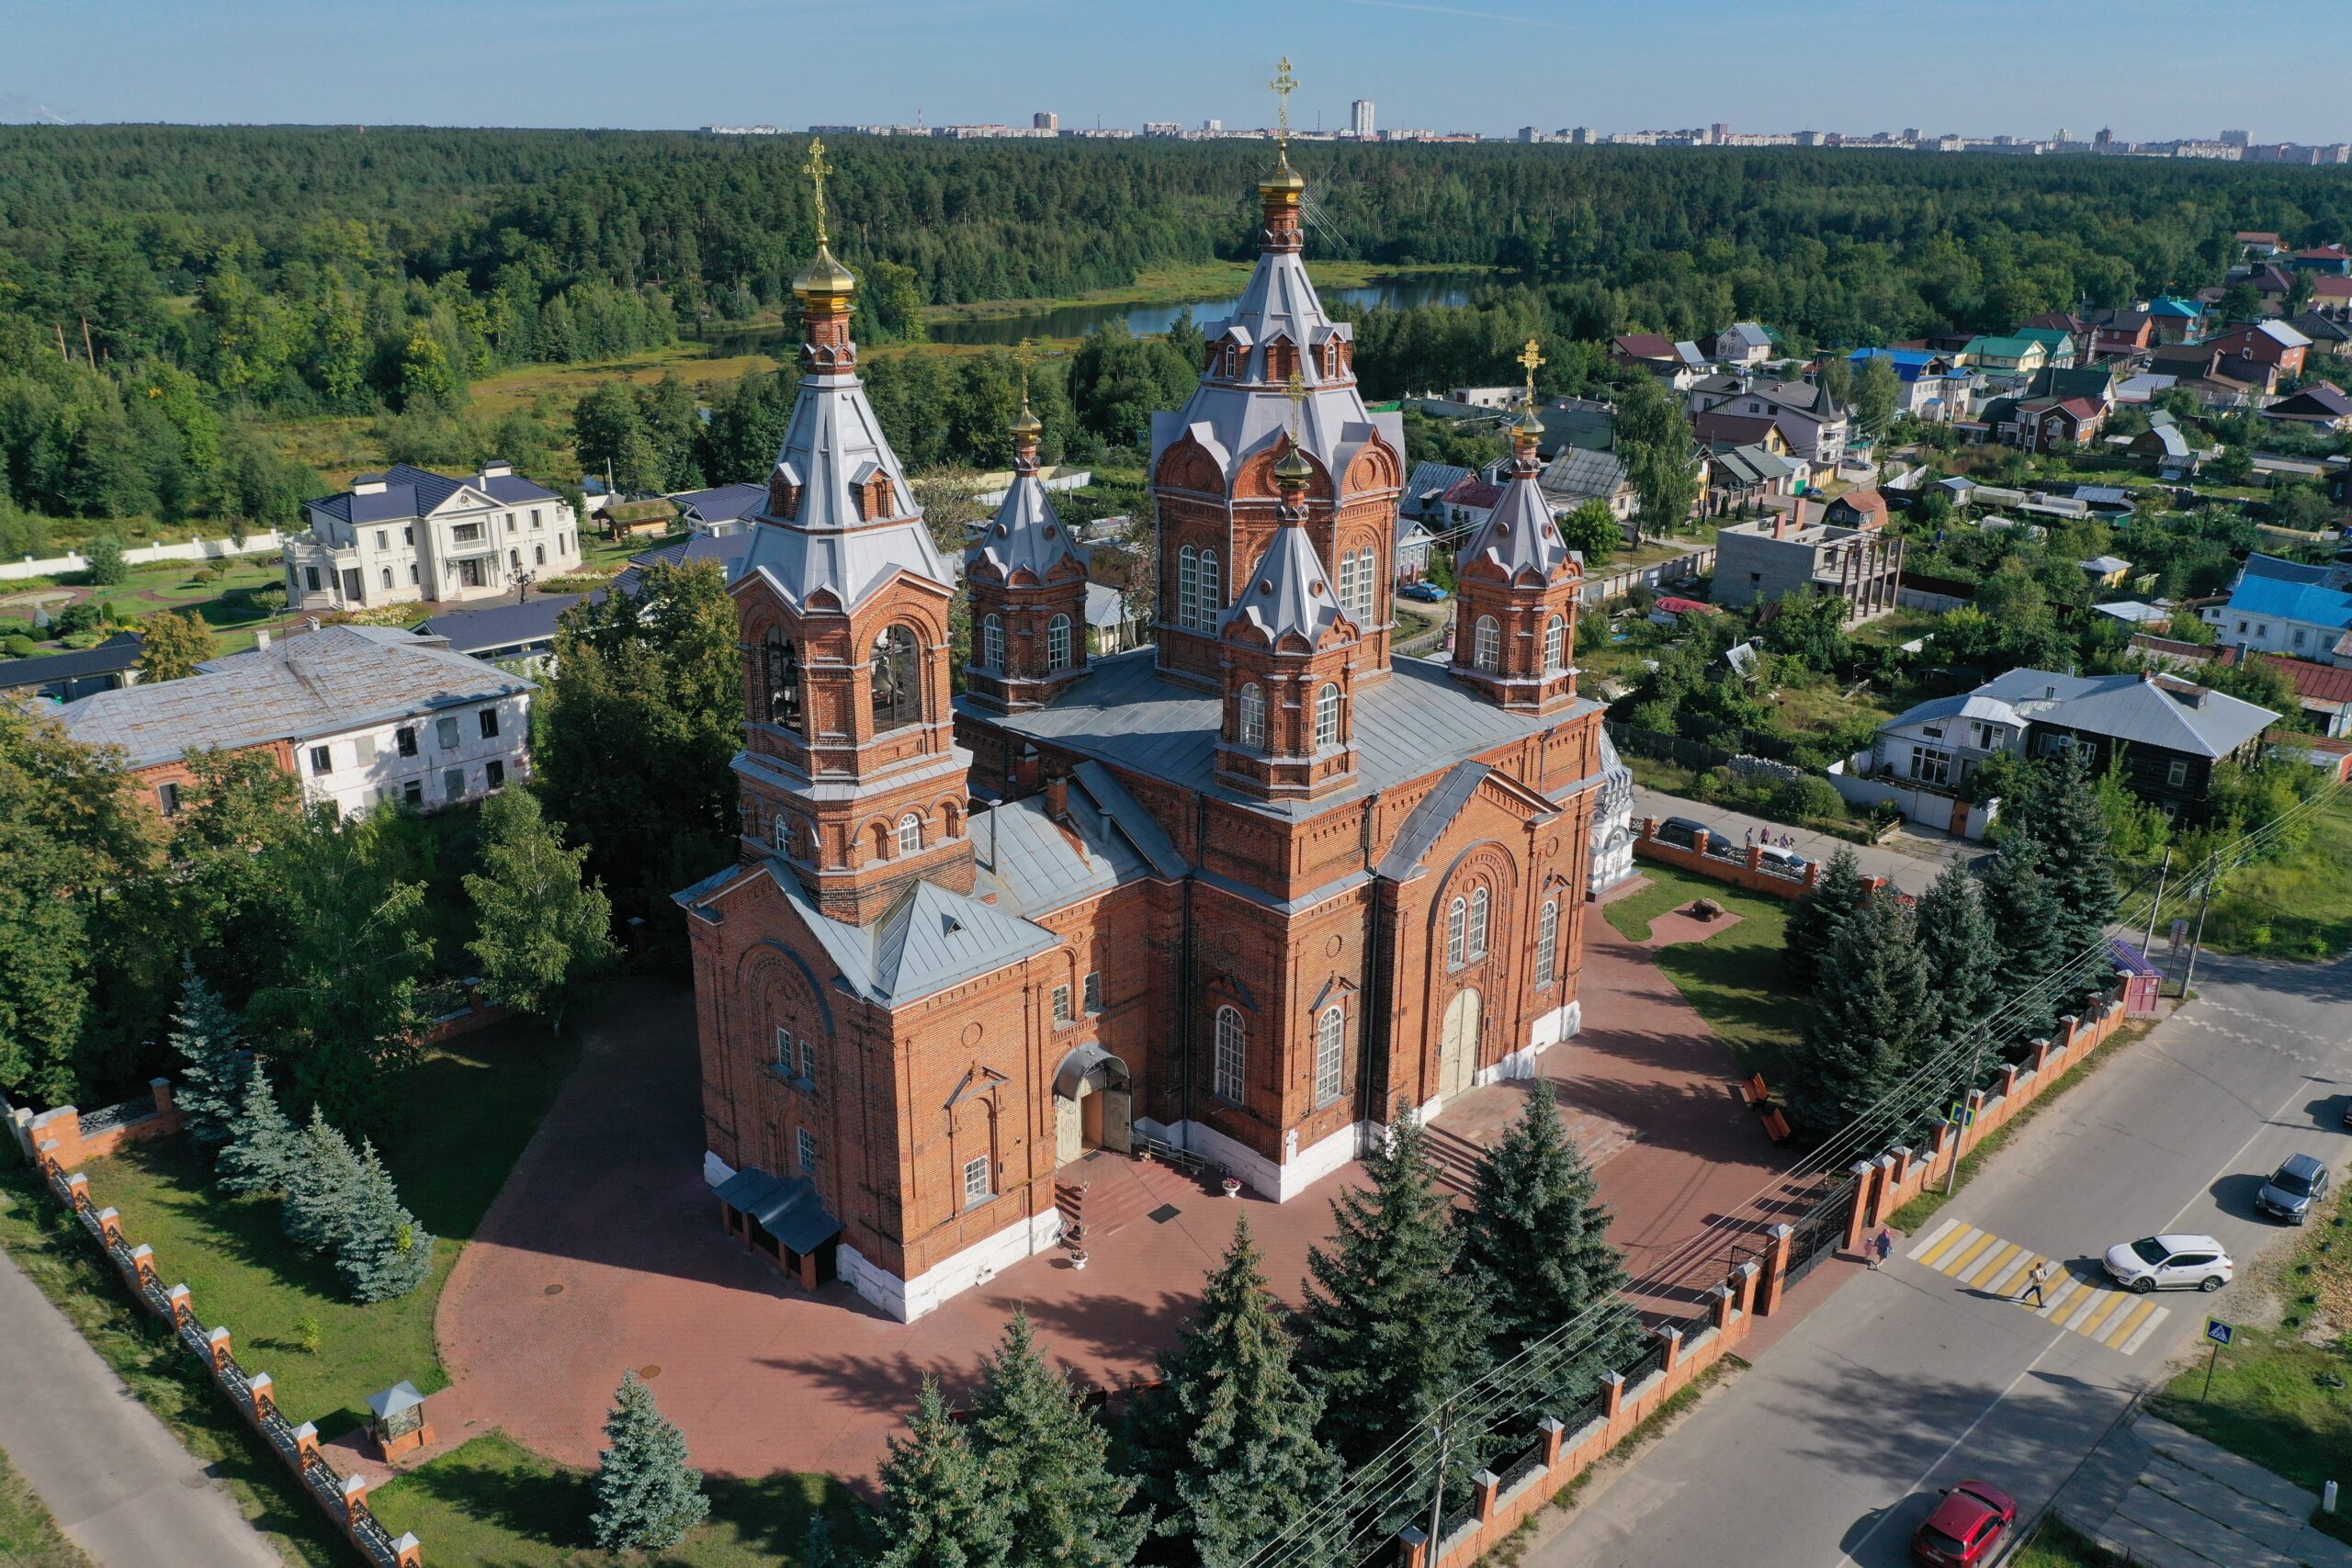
(122,1487)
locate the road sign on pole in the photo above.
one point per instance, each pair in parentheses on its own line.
(2221,1334)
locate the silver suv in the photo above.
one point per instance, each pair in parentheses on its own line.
(2293,1190)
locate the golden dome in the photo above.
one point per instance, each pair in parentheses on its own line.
(1028,423)
(825,277)
(1291,467)
(1527,427)
(1283,179)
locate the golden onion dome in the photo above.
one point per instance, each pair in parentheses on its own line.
(1283,178)
(1527,427)
(1028,423)
(825,277)
(1291,467)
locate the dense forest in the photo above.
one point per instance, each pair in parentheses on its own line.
(164,288)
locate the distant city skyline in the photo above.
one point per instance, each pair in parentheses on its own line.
(1977,68)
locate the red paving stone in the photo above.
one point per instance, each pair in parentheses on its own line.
(603,1251)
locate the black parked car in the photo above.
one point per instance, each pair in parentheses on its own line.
(1692,835)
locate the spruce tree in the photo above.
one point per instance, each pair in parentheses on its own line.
(1817,913)
(2064,816)
(210,1090)
(1964,953)
(384,1252)
(2028,924)
(263,1145)
(1865,1027)
(1392,1330)
(1535,1245)
(322,1182)
(1047,1459)
(648,1496)
(1226,1446)
(938,1507)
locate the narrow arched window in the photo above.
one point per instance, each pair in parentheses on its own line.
(780,667)
(1188,587)
(1327,717)
(1478,908)
(1057,643)
(1212,591)
(898,679)
(909,833)
(1347,580)
(1331,1053)
(1252,716)
(1367,584)
(1231,1079)
(1487,644)
(992,643)
(1547,942)
(1457,922)
(1555,644)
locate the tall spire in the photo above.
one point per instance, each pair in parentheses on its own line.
(825,288)
(1281,192)
(1515,613)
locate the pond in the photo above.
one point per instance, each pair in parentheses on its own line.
(1077,321)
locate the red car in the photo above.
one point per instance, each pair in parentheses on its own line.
(1966,1525)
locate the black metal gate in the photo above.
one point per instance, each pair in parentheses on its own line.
(1823,1230)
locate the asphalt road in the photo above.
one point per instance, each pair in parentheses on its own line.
(120,1485)
(1832,1448)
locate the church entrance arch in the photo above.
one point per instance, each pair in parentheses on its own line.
(1093,1105)
(1457,1056)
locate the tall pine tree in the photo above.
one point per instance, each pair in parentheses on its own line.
(1964,953)
(939,1509)
(648,1496)
(1392,1331)
(1047,1459)
(263,1145)
(384,1252)
(2064,816)
(211,1090)
(322,1182)
(2030,925)
(1866,1025)
(1226,1446)
(1818,914)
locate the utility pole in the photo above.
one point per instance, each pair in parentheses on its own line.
(1976,1060)
(2212,875)
(2150,940)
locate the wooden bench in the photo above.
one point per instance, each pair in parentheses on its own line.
(1754,1093)
(1776,1126)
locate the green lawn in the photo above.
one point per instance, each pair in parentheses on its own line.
(28,1535)
(2269,1402)
(480,1098)
(2060,1545)
(1733,978)
(2299,908)
(223,601)
(494,1501)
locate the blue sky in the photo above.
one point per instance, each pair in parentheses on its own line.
(2148,68)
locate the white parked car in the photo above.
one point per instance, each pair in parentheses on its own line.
(2170,1263)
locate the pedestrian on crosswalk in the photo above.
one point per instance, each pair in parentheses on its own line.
(2034,1281)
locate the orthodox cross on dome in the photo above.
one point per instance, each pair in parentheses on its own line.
(1296,393)
(1529,358)
(818,170)
(1283,84)
(1021,358)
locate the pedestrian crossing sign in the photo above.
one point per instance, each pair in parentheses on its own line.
(2219,1333)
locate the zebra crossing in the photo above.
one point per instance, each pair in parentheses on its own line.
(2116,1319)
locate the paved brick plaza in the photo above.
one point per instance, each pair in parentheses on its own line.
(604,1250)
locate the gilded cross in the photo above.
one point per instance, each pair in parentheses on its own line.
(818,170)
(1283,84)
(1529,357)
(1021,358)
(1296,393)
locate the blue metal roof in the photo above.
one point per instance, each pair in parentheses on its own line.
(2287,599)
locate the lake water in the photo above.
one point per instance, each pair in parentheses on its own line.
(1077,321)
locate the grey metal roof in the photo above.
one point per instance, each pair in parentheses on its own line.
(1126,813)
(329,681)
(1026,535)
(1105,606)
(1036,864)
(1518,534)
(1429,818)
(1288,595)
(1749,334)
(402,1397)
(116,654)
(502,625)
(412,492)
(724,504)
(1581,474)
(2147,710)
(932,939)
(1967,704)
(727,550)
(1408,727)
(1432,480)
(789,1211)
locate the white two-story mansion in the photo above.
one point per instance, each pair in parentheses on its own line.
(409,533)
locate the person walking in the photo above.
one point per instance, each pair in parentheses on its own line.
(1882,1247)
(2034,1282)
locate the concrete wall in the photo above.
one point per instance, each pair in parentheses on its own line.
(1617,585)
(1781,567)
(1924,807)
(146,555)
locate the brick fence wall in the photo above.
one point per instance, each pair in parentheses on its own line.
(80,1138)
(343,1498)
(1749,871)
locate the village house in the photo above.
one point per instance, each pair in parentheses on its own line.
(1743,344)
(1813,422)
(2266,343)
(362,715)
(1934,388)
(409,533)
(2323,406)
(2322,691)
(2289,607)
(1778,555)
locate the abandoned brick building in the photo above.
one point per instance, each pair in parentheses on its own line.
(1243,893)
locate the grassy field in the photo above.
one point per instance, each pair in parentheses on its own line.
(494,1501)
(2060,1545)
(2299,908)
(224,601)
(28,1535)
(482,1094)
(1734,977)
(2271,1399)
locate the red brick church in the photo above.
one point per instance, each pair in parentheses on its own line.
(1243,893)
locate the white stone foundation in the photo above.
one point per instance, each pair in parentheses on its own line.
(1281,1181)
(908,1300)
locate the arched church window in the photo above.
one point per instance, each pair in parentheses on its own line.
(1188,587)
(909,833)
(898,679)
(1487,644)
(992,644)
(1479,904)
(1327,717)
(1347,580)
(1555,644)
(1057,643)
(781,674)
(1547,942)
(1331,1053)
(1212,591)
(1231,1079)
(1367,584)
(1252,716)
(1457,926)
